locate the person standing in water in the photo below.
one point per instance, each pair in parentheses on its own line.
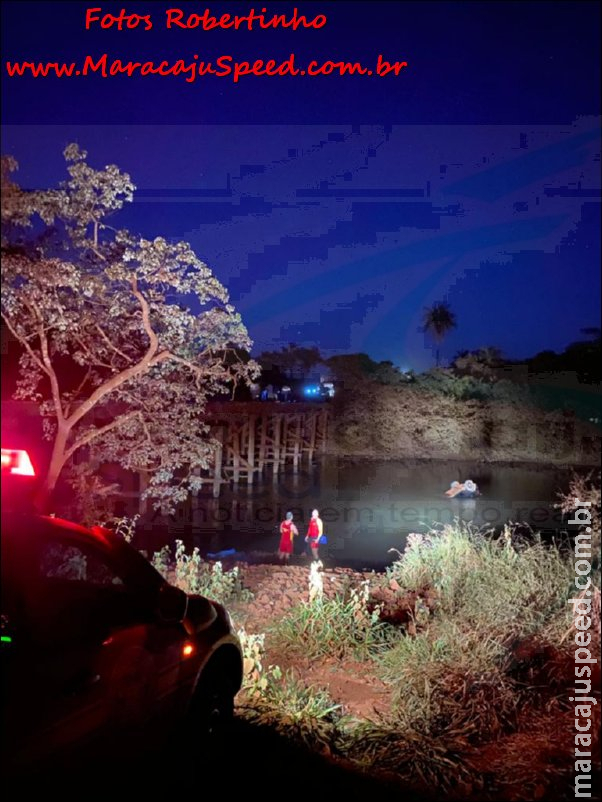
(288,532)
(315,530)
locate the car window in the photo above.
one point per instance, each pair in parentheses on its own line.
(78,593)
(63,560)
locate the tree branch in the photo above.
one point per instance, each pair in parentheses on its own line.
(128,373)
(54,382)
(154,340)
(110,344)
(78,390)
(91,356)
(92,434)
(25,344)
(53,378)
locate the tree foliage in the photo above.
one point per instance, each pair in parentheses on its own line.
(583,357)
(483,364)
(292,362)
(352,369)
(123,338)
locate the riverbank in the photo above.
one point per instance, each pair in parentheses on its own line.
(409,423)
(447,676)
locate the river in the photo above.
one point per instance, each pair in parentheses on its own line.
(368,506)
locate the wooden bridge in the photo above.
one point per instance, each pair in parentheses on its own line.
(256,435)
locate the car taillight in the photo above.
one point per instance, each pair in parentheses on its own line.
(17,462)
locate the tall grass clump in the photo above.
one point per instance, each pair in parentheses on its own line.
(497,587)
(302,712)
(457,678)
(450,680)
(426,761)
(345,626)
(585,489)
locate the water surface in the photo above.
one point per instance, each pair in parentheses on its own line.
(368,506)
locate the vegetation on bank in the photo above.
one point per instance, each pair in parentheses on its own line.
(479,374)
(480,406)
(481,662)
(344,627)
(194,575)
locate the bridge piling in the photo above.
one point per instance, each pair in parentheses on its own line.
(253,436)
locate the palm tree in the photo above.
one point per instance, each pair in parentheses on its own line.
(438,320)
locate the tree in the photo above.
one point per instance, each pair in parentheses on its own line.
(582,358)
(123,338)
(353,369)
(438,320)
(483,364)
(294,361)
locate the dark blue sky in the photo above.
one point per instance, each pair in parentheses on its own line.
(336,208)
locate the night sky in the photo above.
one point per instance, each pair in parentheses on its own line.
(335,208)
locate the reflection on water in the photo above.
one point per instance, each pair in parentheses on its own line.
(368,506)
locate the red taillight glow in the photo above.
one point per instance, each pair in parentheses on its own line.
(187,650)
(17,462)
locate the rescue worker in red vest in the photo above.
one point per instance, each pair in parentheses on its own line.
(315,530)
(288,531)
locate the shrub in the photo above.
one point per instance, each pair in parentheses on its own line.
(425,760)
(455,678)
(450,679)
(256,679)
(190,573)
(585,489)
(123,526)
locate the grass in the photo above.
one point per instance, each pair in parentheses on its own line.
(341,627)
(434,763)
(500,588)
(450,681)
(458,674)
(289,706)
(474,670)
(486,659)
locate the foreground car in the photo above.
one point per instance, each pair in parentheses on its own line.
(97,645)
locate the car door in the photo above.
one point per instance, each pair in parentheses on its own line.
(92,658)
(154,667)
(83,667)
(55,681)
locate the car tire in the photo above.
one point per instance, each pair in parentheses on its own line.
(211,712)
(215,711)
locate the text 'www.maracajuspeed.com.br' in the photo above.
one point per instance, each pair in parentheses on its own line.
(194,68)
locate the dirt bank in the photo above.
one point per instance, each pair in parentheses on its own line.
(377,420)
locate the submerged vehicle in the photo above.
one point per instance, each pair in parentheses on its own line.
(466,489)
